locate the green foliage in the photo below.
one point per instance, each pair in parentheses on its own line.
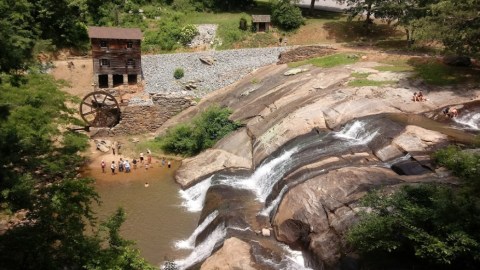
(434,72)
(167,38)
(17,34)
(202,133)
(328,61)
(286,15)
(226,5)
(425,226)
(187,33)
(243,25)
(463,164)
(366,82)
(39,164)
(455,23)
(178,73)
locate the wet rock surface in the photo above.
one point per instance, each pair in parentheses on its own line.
(326,144)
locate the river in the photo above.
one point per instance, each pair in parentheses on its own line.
(155,217)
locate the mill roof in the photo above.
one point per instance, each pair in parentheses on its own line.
(114,33)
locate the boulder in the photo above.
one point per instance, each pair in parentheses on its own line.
(317,213)
(459,61)
(234,255)
(266,232)
(409,167)
(208,60)
(294,71)
(206,163)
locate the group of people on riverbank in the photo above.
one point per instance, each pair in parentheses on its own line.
(125,166)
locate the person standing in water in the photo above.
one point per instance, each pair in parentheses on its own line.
(169,164)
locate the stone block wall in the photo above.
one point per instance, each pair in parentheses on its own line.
(142,118)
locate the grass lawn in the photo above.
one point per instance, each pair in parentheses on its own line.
(328,61)
(367,82)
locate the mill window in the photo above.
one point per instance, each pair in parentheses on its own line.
(103,44)
(129,45)
(104,62)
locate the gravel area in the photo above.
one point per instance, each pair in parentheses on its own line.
(229,67)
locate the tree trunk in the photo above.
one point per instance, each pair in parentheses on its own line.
(369,13)
(312,6)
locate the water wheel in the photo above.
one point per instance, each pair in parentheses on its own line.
(100,109)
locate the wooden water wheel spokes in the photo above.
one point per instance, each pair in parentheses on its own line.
(100,109)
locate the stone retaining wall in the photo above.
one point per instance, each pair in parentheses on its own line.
(141,118)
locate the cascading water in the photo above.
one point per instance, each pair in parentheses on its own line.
(262,182)
(190,242)
(204,249)
(194,197)
(471,120)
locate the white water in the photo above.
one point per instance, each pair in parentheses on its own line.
(261,182)
(202,251)
(470,120)
(190,242)
(291,260)
(194,197)
(294,258)
(356,131)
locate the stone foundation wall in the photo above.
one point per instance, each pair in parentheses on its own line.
(141,118)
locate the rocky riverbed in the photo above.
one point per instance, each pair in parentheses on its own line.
(311,147)
(228,67)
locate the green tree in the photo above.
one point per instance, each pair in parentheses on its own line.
(39,162)
(404,13)
(203,132)
(360,7)
(18,34)
(455,23)
(425,226)
(286,15)
(62,21)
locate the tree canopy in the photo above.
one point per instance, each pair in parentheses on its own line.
(425,226)
(39,162)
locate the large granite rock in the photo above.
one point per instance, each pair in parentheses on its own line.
(233,151)
(234,255)
(317,213)
(207,163)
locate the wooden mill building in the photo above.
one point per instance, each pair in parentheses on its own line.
(116,54)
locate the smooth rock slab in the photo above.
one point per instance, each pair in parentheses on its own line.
(234,255)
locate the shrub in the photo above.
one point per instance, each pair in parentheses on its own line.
(286,15)
(188,32)
(243,24)
(203,132)
(178,73)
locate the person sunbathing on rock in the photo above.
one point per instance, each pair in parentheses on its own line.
(452,112)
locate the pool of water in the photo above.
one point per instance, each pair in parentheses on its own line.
(155,217)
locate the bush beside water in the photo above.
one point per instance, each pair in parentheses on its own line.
(201,133)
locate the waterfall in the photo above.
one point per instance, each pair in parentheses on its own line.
(202,251)
(356,131)
(470,120)
(262,181)
(190,242)
(195,195)
(291,259)
(267,175)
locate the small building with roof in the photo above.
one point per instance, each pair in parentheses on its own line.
(116,54)
(261,22)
